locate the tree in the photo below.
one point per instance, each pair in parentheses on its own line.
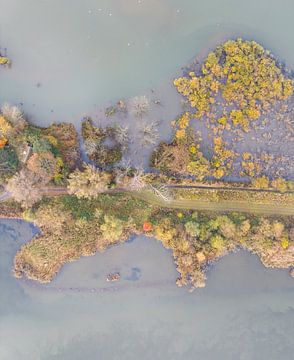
(140,105)
(89,182)
(278,229)
(149,133)
(5,126)
(25,188)
(280,184)
(13,115)
(165,232)
(218,243)
(42,145)
(44,165)
(112,228)
(8,162)
(261,182)
(192,228)
(227,227)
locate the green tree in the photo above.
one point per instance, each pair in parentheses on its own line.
(192,228)
(112,228)
(8,162)
(218,243)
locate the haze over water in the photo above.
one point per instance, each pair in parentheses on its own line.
(69,59)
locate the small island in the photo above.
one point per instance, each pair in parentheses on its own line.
(214,188)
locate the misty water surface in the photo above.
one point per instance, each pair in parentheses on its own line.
(70,59)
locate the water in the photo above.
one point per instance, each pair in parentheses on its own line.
(245,312)
(70,58)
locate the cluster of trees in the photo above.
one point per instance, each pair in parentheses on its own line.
(182,156)
(104,146)
(138,106)
(31,157)
(73,227)
(89,182)
(197,239)
(244,75)
(280,184)
(237,83)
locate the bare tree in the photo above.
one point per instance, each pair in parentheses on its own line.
(123,172)
(25,188)
(13,114)
(122,137)
(137,182)
(90,147)
(139,105)
(161,191)
(149,133)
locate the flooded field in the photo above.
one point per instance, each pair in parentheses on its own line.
(72,58)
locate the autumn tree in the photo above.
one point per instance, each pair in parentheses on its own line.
(261,182)
(89,182)
(44,165)
(14,116)
(112,228)
(280,184)
(5,127)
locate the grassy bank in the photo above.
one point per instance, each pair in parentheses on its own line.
(71,228)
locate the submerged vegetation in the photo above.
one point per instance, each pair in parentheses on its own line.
(104,146)
(233,91)
(4,60)
(238,89)
(182,156)
(242,76)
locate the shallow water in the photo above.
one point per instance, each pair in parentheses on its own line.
(70,58)
(73,58)
(245,312)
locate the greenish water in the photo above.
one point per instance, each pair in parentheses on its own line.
(245,312)
(70,58)
(73,56)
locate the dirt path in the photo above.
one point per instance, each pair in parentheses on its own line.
(222,206)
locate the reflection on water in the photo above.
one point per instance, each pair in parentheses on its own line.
(245,312)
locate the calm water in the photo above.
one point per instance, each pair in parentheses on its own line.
(245,312)
(70,58)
